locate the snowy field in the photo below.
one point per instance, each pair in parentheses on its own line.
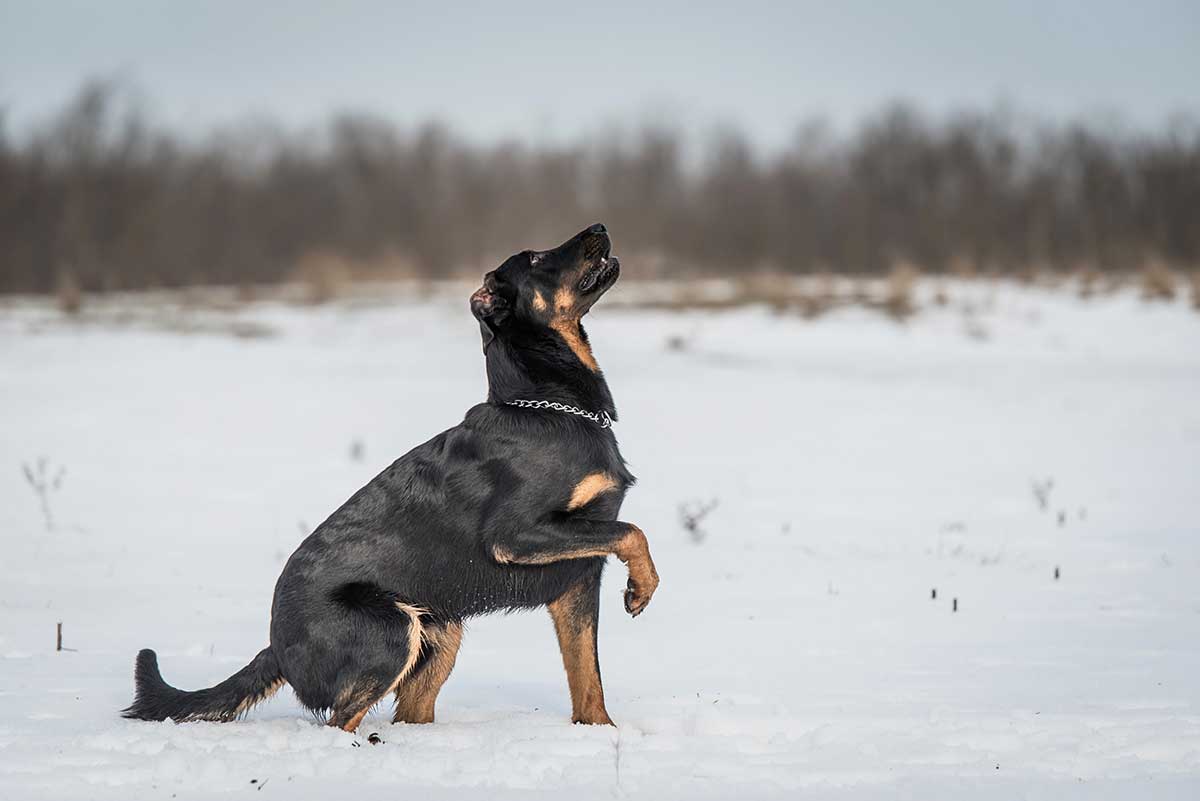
(793,649)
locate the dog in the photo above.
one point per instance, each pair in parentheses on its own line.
(514,508)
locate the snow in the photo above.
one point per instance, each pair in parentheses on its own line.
(858,463)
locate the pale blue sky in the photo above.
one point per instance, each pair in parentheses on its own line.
(549,70)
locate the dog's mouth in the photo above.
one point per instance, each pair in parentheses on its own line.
(601,275)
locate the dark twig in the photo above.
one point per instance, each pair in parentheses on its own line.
(43,485)
(1041,492)
(58,646)
(691,514)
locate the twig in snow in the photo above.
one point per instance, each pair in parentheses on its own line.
(43,485)
(691,514)
(1041,492)
(58,646)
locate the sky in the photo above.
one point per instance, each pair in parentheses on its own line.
(551,71)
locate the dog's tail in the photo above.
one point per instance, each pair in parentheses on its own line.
(154,699)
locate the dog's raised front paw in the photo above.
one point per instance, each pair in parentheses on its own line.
(640,589)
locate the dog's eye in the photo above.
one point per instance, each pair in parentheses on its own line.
(534,258)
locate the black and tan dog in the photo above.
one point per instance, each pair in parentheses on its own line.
(513,508)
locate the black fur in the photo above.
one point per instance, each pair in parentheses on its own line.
(445,527)
(157,700)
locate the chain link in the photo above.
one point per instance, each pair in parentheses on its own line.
(602,419)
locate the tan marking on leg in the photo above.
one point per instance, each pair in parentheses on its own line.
(353,697)
(577,642)
(634,550)
(416,696)
(589,487)
(566,323)
(415,633)
(353,723)
(505,557)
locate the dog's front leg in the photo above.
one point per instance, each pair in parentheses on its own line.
(575,614)
(562,536)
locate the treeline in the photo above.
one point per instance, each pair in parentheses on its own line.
(103,199)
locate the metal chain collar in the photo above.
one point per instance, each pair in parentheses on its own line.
(602,419)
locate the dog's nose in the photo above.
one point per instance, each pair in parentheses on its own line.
(598,228)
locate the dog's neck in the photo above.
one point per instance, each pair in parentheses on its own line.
(537,364)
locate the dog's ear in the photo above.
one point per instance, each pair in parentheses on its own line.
(490,309)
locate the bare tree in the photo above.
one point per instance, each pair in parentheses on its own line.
(101,199)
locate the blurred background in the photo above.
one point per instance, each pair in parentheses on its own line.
(147,145)
(906,350)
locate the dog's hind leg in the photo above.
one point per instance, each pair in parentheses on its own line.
(417,694)
(351,709)
(575,614)
(357,697)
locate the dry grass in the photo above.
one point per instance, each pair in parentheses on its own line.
(1089,281)
(247,293)
(323,275)
(777,292)
(962,267)
(941,296)
(898,298)
(808,296)
(781,294)
(1158,281)
(826,287)
(861,293)
(67,293)
(691,296)
(1028,274)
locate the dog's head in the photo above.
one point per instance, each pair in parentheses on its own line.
(548,288)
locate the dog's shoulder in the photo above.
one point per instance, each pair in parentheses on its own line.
(552,446)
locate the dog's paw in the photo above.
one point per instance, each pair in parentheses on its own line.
(639,590)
